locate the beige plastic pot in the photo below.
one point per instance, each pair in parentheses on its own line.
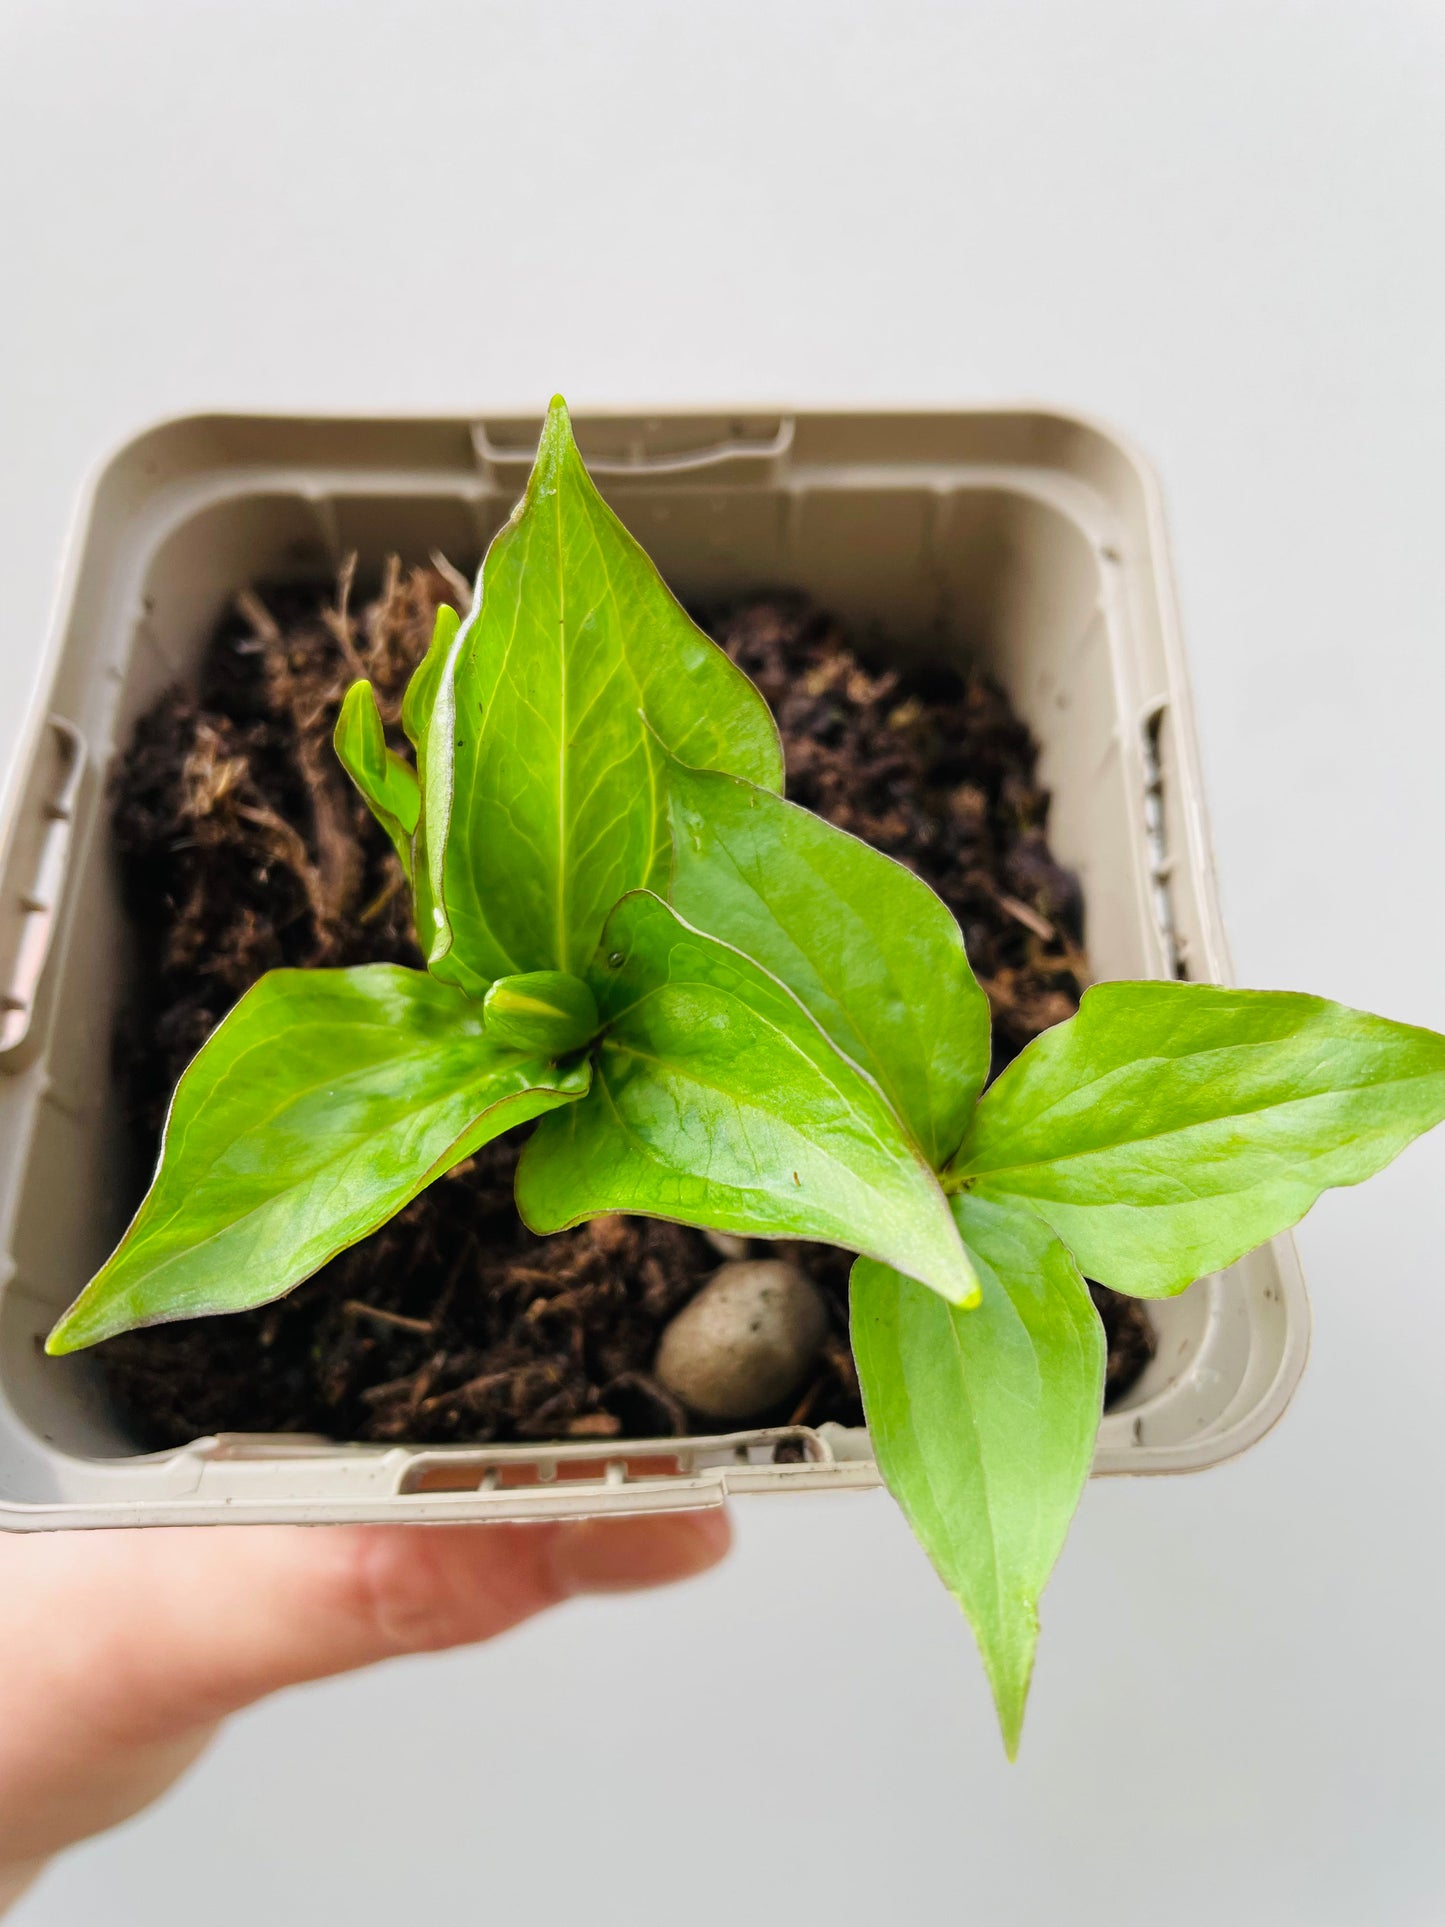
(1027,539)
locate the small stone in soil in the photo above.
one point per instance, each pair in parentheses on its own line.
(746,1341)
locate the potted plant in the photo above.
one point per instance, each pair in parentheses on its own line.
(721,1010)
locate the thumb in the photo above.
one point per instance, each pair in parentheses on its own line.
(151,1631)
(119,1650)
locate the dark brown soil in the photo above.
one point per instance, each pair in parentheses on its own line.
(243,847)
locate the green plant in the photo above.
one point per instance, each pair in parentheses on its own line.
(722,1010)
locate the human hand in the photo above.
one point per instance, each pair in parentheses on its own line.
(121,1651)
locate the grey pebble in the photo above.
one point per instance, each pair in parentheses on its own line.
(746,1341)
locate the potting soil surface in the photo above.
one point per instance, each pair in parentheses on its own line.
(243,846)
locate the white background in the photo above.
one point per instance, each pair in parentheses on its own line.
(1218,226)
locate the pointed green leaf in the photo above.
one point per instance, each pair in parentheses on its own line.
(435,715)
(544,793)
(541,1011)
(323,1104)
(388,784)
(862,942)
(1169,1128)
(983,1423)
(717,1101)
(434,754)
(416,704)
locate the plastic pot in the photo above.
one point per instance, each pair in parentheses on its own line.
(1030,540)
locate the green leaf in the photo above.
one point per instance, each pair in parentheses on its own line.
(862,942)
(545,799)
(717,1101)
(387,783)
(421,690)
(1169,1128)
(983,1423)
(434,751)
(325,1102)
(542,1011)
(434,715)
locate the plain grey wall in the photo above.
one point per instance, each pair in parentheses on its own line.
(1215,224)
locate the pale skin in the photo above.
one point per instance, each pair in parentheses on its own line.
(121,1652)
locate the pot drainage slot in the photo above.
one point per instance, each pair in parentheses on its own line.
(638,449)
(40,856)
(462,1475)
(640,1461)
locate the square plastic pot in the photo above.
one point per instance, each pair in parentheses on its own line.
(1028,540)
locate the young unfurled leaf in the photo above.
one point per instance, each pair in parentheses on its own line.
(718,1101)
(544,794)
(387,783)
(323,1104)
(435,750)
(983,1423)
(1169,1128)
(543,1011)
(421,690)
(866,945)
